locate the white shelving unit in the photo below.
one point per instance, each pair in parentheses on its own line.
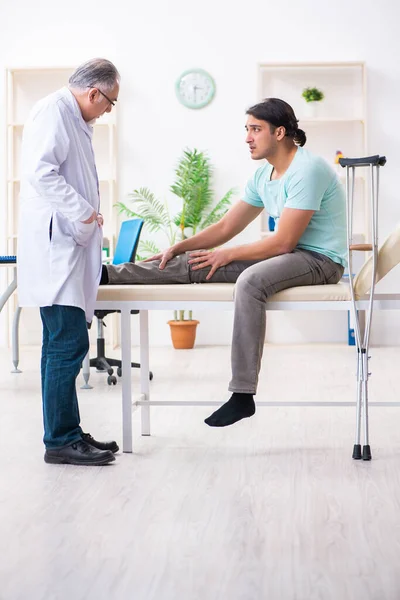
(24,87)
(340,121)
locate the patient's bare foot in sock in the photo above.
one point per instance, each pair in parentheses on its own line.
(238,407)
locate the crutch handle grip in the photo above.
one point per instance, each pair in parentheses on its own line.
(361,247)
(363,162)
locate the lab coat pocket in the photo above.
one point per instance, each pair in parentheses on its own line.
(82,232)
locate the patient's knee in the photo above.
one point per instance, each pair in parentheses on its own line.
(250,284)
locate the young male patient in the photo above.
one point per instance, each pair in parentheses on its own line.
(308,247)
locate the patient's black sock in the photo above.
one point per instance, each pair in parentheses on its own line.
(104,275)
(238,407)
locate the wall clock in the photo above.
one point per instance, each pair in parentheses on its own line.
(195,88)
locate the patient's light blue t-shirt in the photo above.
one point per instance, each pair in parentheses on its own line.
(308,184)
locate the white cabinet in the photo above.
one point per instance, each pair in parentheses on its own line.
(338,122)
(24,87)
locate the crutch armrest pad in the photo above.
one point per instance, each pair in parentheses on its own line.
(363,162)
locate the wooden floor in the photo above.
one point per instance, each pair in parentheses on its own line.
(272,508)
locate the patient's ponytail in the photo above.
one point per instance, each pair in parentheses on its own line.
(300,137)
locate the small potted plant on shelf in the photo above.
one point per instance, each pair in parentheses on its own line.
(192,186)
(312,96)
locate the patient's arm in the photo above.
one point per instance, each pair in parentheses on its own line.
(292,224)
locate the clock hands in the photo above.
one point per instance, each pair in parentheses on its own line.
(196,87)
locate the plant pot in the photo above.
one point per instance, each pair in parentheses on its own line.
(183,334)
(311,109)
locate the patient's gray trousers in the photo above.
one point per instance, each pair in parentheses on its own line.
(255,282)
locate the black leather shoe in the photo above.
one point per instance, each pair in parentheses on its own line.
(113,446)
(78,453)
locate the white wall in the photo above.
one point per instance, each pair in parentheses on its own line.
(152,43)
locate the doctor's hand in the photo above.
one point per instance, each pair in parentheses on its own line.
(100,220)
(163,256)
(202,259)
(92,218)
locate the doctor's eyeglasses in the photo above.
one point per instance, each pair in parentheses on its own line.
(112,102)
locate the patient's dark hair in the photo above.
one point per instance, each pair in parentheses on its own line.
(279,113)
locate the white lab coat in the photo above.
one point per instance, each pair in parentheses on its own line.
(59,188)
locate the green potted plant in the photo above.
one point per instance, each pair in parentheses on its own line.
(192,185)
(312,96)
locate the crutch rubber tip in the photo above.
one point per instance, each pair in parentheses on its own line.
(366,453)
(357,452)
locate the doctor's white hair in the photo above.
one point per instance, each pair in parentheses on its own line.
(97,72)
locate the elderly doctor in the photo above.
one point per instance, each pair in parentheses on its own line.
(59,248)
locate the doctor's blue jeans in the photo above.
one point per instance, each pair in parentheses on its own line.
(65,344)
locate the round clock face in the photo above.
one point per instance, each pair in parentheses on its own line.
(195,88)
